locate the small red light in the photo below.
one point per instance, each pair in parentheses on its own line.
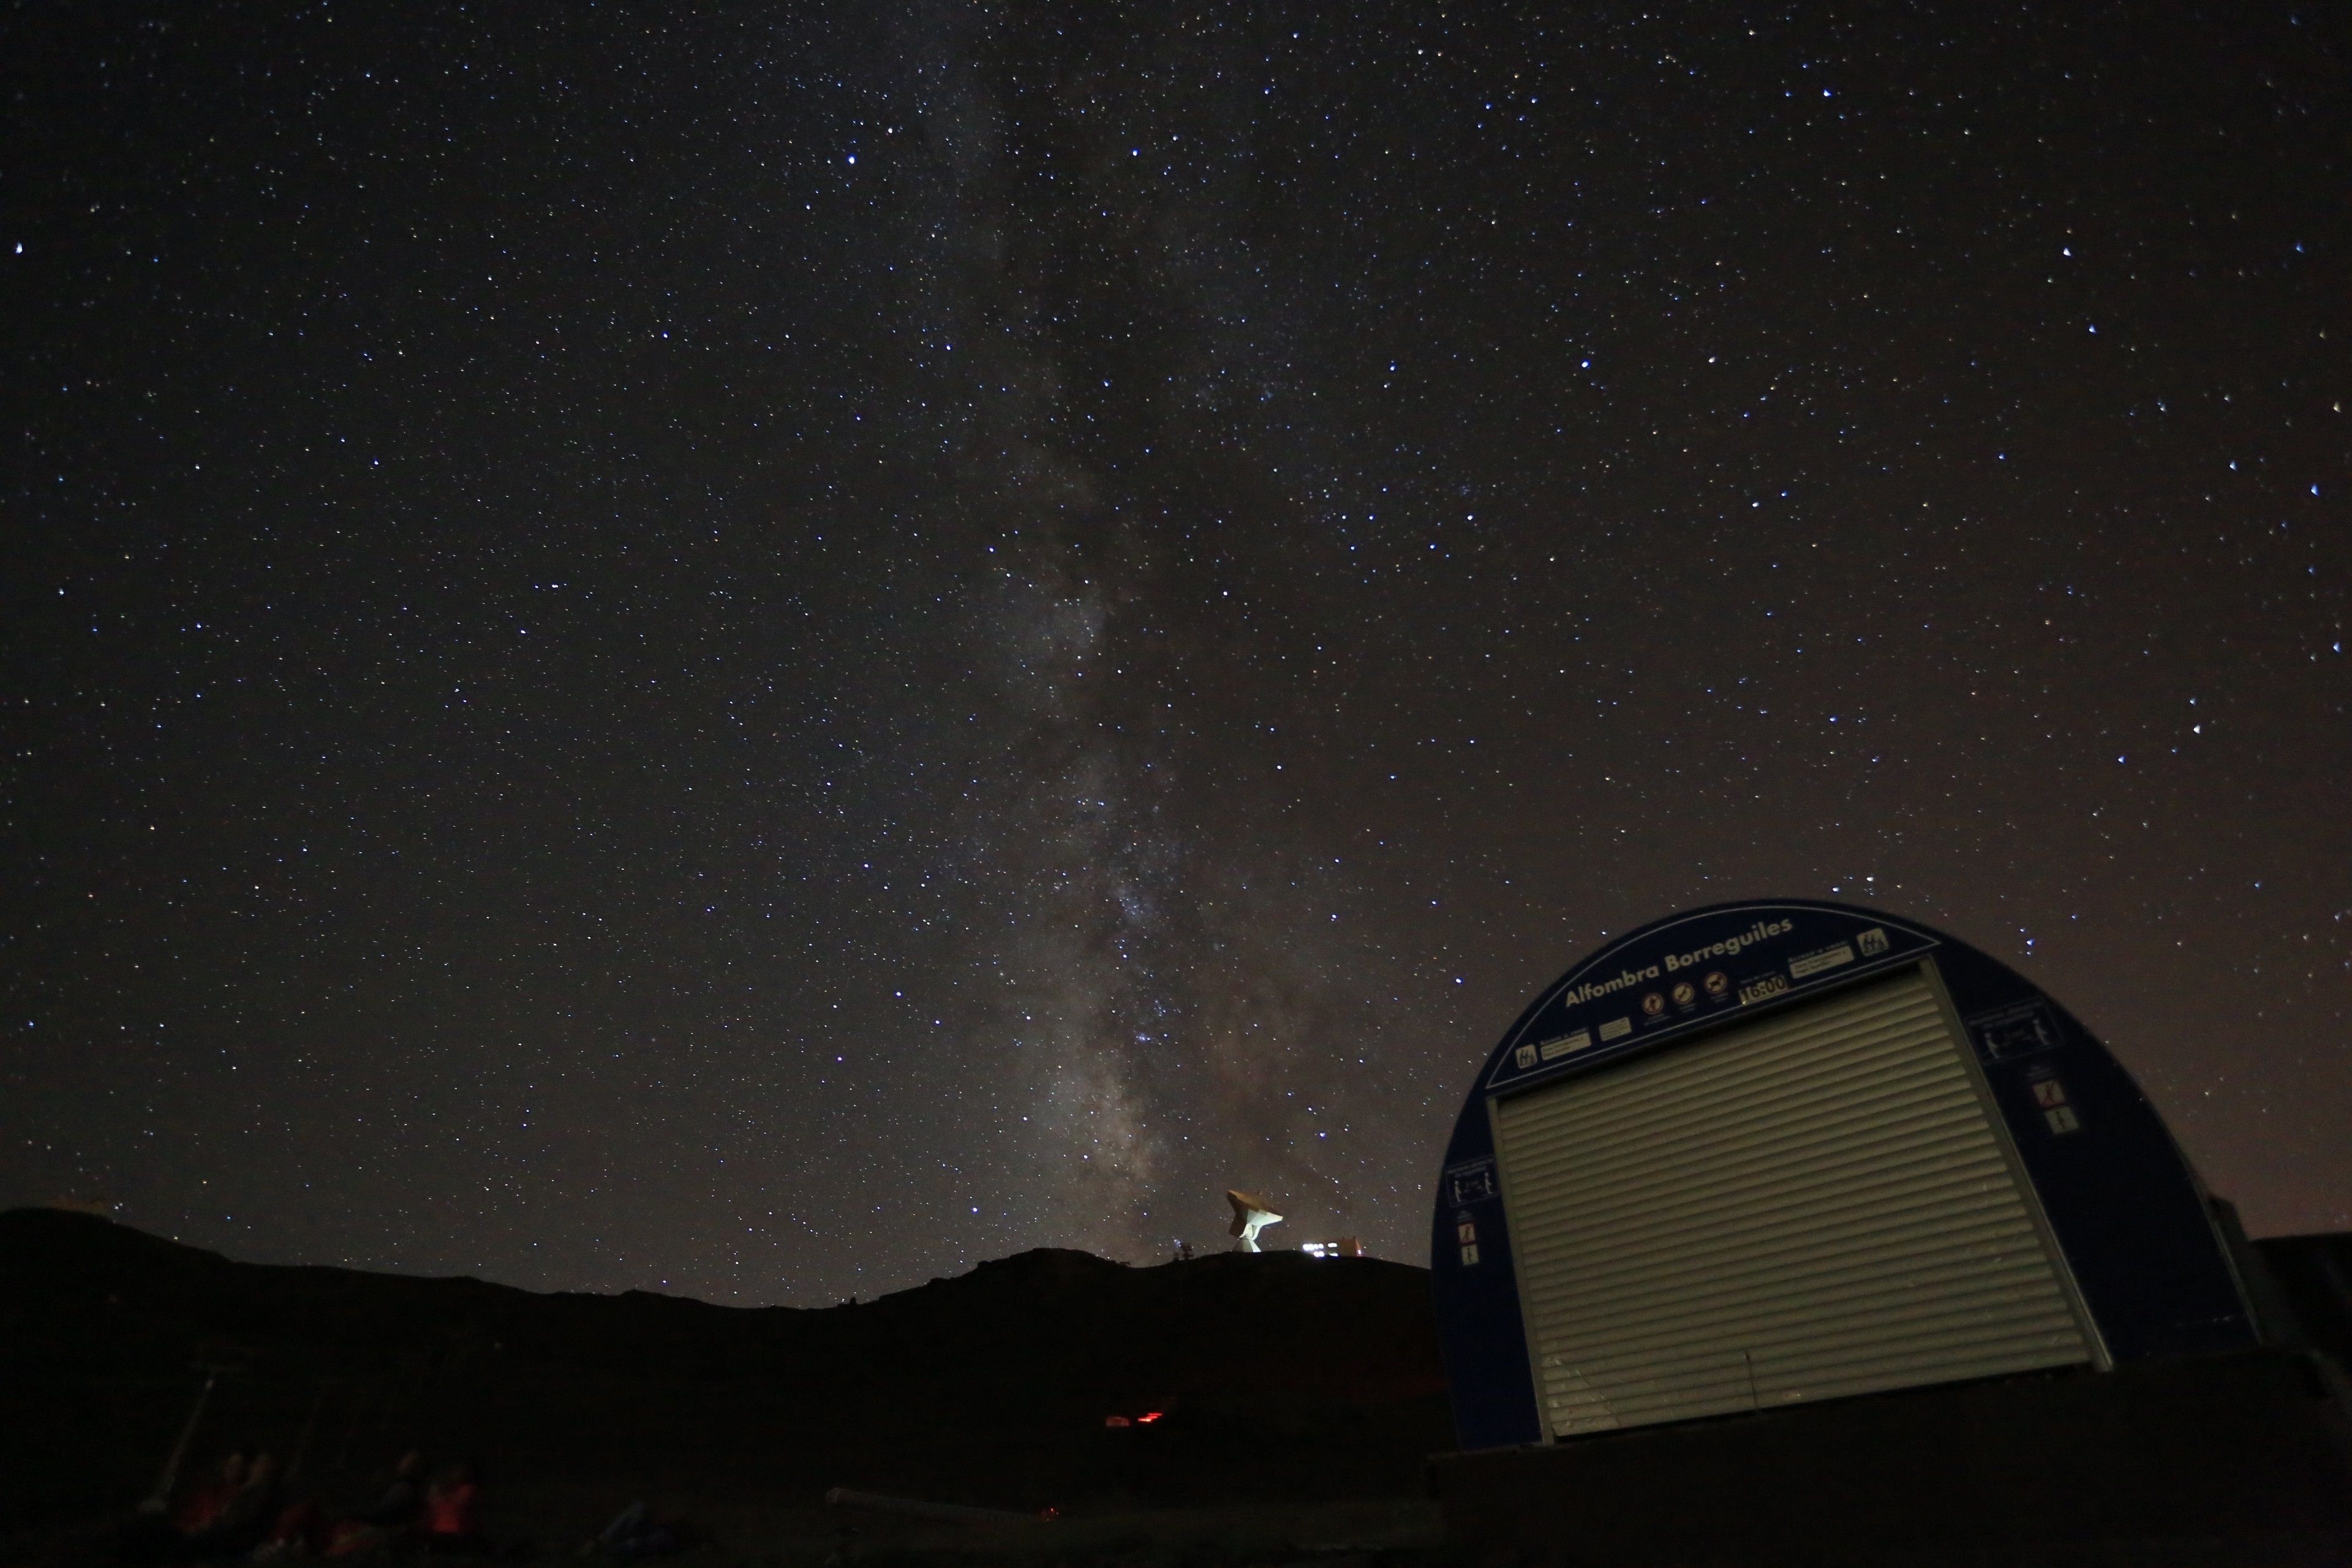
(1149,1416)
(1117,1421)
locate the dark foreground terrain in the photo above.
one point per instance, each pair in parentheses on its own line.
(1280,1378)
(1299,1403)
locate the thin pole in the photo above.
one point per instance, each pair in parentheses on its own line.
(161,1499)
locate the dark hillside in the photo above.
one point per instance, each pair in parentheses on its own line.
(1279,1375)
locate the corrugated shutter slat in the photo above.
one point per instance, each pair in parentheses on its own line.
(1811,1205)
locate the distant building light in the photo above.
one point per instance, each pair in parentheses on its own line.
(1345,1246)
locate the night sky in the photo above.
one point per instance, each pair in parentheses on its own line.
(767,651)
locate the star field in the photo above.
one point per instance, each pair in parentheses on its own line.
(767,651)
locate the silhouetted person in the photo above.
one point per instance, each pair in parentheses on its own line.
(170,1538)
(201,1504)
(639,1531)
(453,1512)
(245,1518)
(396,1509)
(389,1519)
(302,1529)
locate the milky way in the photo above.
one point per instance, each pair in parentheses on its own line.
(771,652)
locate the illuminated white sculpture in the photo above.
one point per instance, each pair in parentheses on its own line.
(1250,1215)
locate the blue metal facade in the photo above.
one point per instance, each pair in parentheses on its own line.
(2126,1207)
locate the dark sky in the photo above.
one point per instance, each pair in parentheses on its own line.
(775,650)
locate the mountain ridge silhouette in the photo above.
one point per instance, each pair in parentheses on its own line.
(1275,1375)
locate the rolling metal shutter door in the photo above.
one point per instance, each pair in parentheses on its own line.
(1811,1205)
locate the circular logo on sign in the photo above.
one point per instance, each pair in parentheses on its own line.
(1684,994)
(1717,983)
(1654,1003)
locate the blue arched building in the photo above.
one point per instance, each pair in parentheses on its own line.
(1762,1154)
